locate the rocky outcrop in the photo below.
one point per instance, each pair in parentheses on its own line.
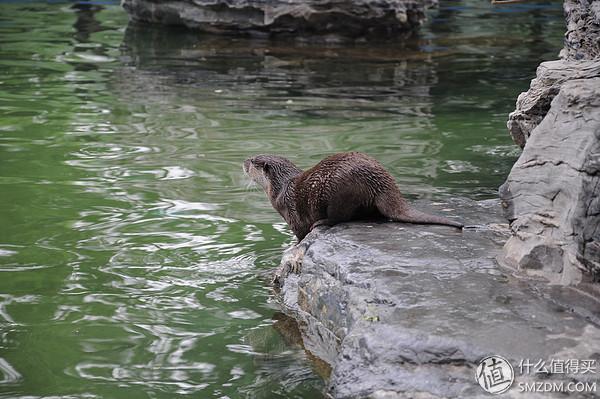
(579,60)
(583,30)
(551,194)
(533,105)
(357,18)
(407,311)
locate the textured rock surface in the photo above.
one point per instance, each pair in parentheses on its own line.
(579,61)
(346,18)
(583,30)
(551,194)
(406,311)
(533,105)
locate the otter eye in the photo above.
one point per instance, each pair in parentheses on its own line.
(266,167)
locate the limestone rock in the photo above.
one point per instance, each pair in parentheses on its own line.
(354,18)
(407,311)
(533,105)
(583,30)
(580,60)
(551,194)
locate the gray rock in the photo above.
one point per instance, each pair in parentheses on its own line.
(407,311)
(357,18)
(583,30)
(533,105)
(551,194)
(579,61)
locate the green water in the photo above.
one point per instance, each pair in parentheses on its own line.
(132,255)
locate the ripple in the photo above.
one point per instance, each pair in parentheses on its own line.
(150,376)
(177,173)
(455,166)
(6,300)
(109,151)
(7,252)
(244,314)
(169,365)
(85,57)
(498,150)
(9,374)
(243,349)
(220,294)
(175,207)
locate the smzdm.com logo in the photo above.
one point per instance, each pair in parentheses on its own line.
(495,374)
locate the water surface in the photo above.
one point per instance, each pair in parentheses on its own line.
(132,256)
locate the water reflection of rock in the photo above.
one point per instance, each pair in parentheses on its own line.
(85,25)
(228,81)
(279,357)
(86,22)
(283,70)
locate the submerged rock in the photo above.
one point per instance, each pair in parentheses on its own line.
(355,18)
(408,311)
(551,194)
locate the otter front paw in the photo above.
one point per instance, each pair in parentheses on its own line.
(291,262)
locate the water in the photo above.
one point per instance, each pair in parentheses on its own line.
(132,256)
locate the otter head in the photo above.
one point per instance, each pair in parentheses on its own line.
(271,172)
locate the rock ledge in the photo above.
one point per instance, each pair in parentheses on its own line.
(356,18)
(551,195)
(406,311)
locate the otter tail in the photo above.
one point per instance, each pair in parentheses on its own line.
(411,215)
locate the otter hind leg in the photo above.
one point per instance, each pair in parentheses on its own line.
(339,211)
(329,217)
(392,207)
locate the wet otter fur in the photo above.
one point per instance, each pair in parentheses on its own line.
(342,187)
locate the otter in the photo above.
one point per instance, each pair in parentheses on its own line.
(342,187)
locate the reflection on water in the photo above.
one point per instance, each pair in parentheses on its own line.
(132,253)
